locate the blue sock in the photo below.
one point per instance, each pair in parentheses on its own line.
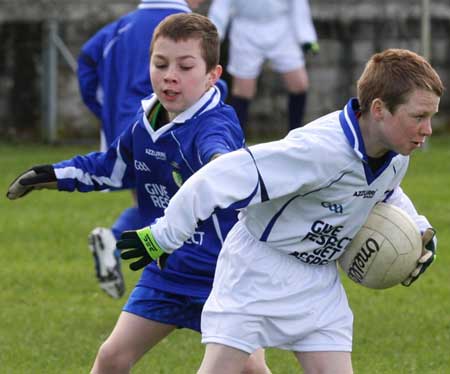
(241,105)
(296,108)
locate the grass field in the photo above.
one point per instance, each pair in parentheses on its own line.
(53,317)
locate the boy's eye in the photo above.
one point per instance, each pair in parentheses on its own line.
(186,67)
(160,66)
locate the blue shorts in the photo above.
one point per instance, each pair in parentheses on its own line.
(165,307)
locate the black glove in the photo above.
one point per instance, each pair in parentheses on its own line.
(36,178)
(141,244)
(428,256)
(312,48)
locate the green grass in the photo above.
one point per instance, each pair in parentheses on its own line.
(53,317)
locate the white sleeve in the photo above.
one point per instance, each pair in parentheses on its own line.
(223,181)
(401,200)
(237,180)
(302,22)
(219,13)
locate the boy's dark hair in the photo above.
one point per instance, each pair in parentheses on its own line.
(184,26)
(392,75)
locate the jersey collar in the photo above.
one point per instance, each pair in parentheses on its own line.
(348,119)
(165,4)
(209,100)
(350,125)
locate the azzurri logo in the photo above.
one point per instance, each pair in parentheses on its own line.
(159,155)
(335,208)
(365,194)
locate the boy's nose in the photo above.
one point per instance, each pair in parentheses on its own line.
(425,128)
(170,75)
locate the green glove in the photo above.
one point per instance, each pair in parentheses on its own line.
(36,178)
(142,245)
(428,256)
(312,48)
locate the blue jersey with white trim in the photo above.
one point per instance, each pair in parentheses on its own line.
(156,163)
(306,195)
(113,66)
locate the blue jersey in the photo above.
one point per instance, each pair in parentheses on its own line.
(113,66)
(156,163)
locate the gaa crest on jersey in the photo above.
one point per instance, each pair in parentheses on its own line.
(176,174)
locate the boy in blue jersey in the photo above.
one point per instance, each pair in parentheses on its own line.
(276,282)
(113,79)
(181,127)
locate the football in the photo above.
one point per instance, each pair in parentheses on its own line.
(385,250)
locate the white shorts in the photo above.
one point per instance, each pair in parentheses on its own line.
(252,43)
(264,298)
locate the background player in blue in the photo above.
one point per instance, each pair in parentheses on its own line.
(113,79)
(277,268)
(180,127)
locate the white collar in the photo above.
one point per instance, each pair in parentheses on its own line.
(208,101)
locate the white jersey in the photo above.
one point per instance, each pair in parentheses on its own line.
(306,195)
(263,11)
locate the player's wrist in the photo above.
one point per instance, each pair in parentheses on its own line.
(311,47)
(149,242)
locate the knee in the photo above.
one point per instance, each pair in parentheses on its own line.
(256,364)
(297,81)
(245,88)
(297,87)
(110,360)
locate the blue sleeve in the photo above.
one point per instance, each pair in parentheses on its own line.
(89,68)
(88,84)
(95,171)
(220,134)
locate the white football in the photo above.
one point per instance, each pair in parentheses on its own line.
(386,249)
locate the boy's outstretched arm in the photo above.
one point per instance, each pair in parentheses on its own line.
(36,178)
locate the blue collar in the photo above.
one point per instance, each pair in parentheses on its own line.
(348,119)
(165,4)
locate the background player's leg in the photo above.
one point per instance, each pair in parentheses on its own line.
(242,92)
(297,84)
(102,243)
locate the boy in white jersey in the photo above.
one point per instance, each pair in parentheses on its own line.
(276,282)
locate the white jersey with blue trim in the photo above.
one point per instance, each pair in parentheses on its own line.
(306,195)
(156,163)
(297,13)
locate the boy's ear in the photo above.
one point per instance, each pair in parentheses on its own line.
(215,74)
(378,109)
